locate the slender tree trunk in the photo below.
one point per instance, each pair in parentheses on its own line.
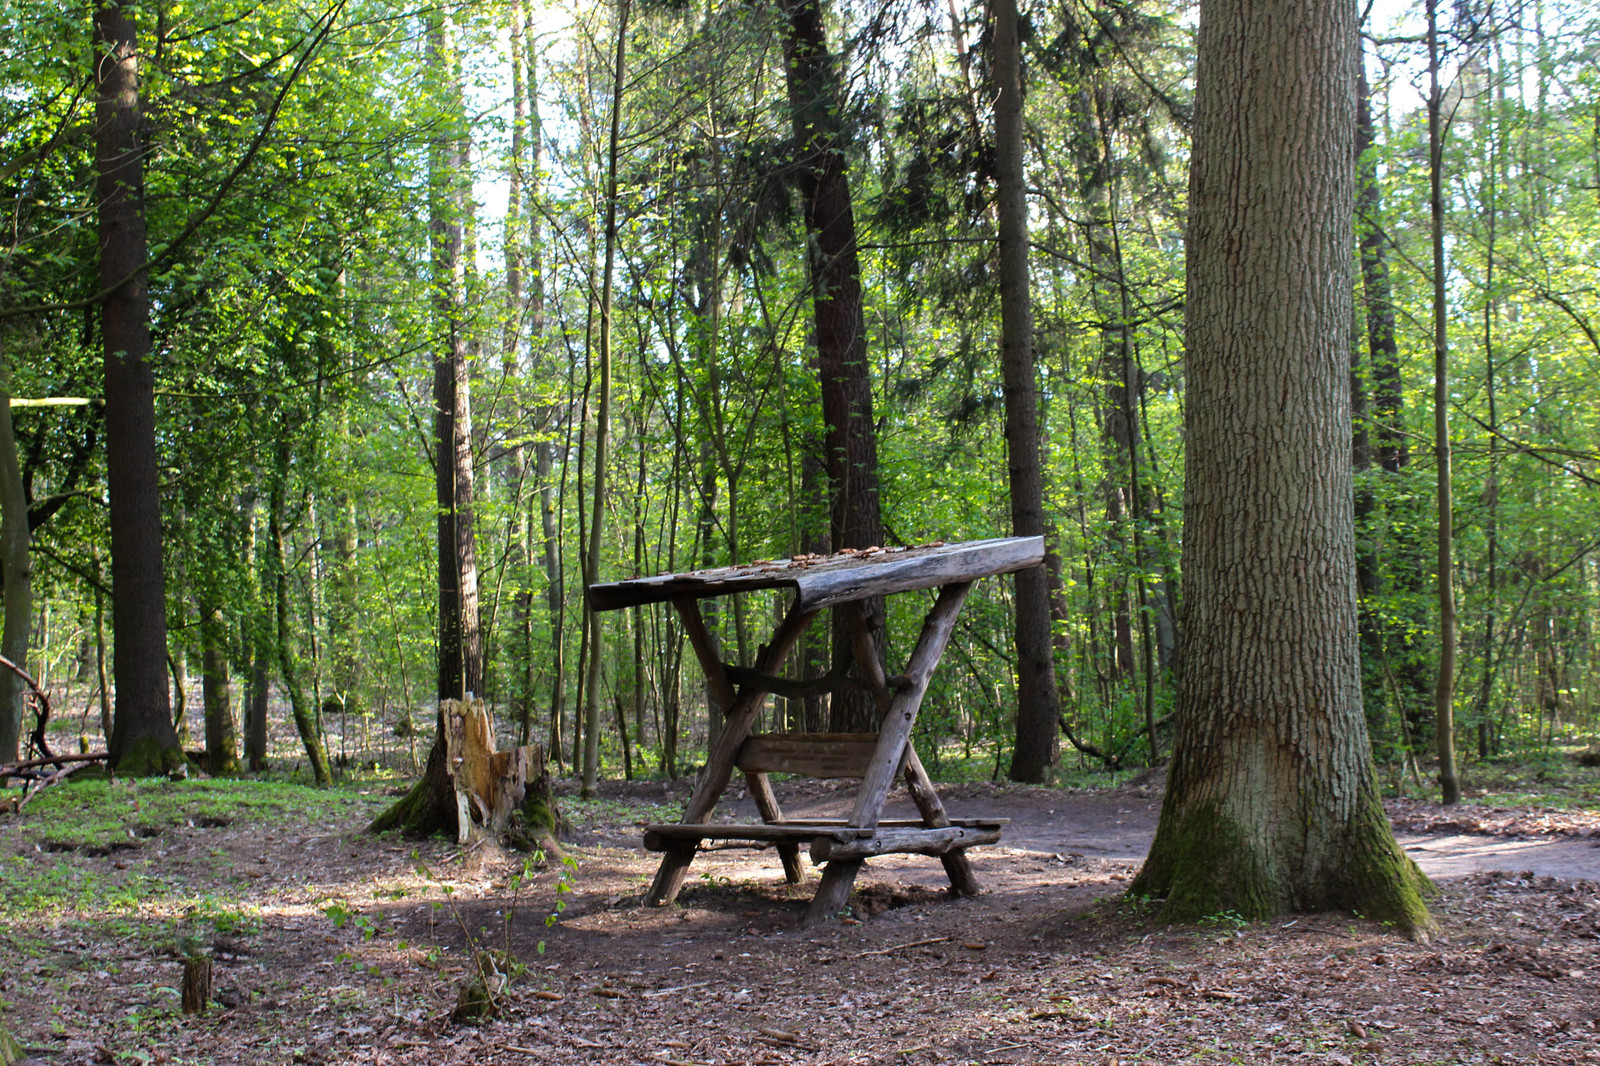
(602,432)
(555,598)
(1444,690)
(430,805)
(1038,706)
(1272,803)
(102,667)
(222,734)
(143,740)
(306,713)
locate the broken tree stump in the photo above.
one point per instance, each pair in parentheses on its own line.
(488,784)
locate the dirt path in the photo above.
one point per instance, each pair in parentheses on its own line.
(1118,825)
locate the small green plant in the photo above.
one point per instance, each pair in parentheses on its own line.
(1225,919)
(493,970)
(342,915)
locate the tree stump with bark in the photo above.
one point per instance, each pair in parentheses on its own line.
(196,984)
(488,784)
(476,791)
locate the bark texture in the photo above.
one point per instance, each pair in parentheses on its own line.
(1272,804)
(1037,704)
(142,737)
(850,442)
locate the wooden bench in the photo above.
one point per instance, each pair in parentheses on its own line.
(843,583)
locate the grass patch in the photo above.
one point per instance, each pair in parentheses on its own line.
(101,816)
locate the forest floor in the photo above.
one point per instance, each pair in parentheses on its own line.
(332,946)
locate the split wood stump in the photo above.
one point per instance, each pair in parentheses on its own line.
(489,784)
(842,582)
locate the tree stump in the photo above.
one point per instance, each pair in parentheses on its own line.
(196,984)
(489,784)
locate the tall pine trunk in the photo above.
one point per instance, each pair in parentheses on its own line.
(850,441)
(143,740)
(1038,707)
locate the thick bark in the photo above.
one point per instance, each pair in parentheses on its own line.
(16,570)
(1038,706)
(142,738)
(1272,803)
(850,443)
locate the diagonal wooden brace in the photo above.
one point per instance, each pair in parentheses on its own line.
(741,710)
(894,737)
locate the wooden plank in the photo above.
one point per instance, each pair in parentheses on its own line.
(906,823)
(959,564)
(669,836)
(837,579)
(819,755)
(918,841)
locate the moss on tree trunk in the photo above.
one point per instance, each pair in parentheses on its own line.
(149,757)
(429,808)
(1205,862)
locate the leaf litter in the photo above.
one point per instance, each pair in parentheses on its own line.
(1052,964)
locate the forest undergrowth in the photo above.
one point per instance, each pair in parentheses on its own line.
(331,946)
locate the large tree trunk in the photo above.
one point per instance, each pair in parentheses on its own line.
(850,442)
(143,740)
(1038,706)
(16,570)
(1272,803)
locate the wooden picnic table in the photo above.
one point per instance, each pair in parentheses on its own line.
(843,582)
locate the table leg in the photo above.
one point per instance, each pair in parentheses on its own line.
(771,813)
(838,877)
(741,712)
(669,875)
(956,864)
(963,882)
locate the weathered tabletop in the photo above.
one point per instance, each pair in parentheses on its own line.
(843,581)
(827,581)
